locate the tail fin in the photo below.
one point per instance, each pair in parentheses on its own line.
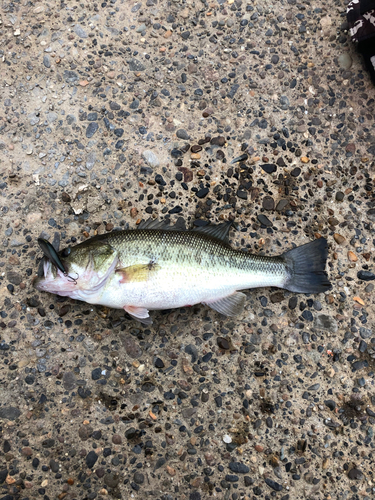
(306,266)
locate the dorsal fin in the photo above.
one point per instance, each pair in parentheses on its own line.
(218,231)
(154,224)
(163,224)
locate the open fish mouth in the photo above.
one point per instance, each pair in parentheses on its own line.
(43,267)
(44,274)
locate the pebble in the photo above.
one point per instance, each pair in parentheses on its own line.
(79,31)
(159,363)
(135,104)
(135,65)
(151,158)
(14,278)
(371,214)
(325,322)
(84,432)
(355,474)
(295,172)
(116,439)
(339,196)
(339,238)
(270,168)
(239,468)
(91,459)
(268,203)
(182,134)
(273,484)
(71,76)
(264,220)
(69,381)
(139,478)
(47,61)
(218,141)
(352,256)
(9,412)
(362,275)
(345,61)
(96,374)
(202,193)
(132,348)
(281,205)
(111,479)
(91,129)
(223,343)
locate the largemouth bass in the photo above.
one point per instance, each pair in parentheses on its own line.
(159,266)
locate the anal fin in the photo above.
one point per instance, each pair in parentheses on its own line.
(139,313)
(232,305)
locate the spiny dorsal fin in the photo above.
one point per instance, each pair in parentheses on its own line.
(153,224)
(218,231)
(163,224)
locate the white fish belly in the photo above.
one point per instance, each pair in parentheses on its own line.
(174,287)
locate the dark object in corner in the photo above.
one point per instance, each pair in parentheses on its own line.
(361,20)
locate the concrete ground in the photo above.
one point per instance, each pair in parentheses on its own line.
(118,111)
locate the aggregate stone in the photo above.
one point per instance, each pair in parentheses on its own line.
(131,347)
(3,475)
(91,129)
(325,322)
(14,278)
(135,65)
(69,381)
(79,31)
(366,275)
(47,61)
(345,60)
(273,484)
(91,459)
(151,158)
(9,412)
(355,473)
(238,467)
(182,134)
(70,76)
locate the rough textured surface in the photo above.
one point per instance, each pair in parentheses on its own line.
(117,111)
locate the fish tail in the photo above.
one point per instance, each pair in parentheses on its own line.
(306,268)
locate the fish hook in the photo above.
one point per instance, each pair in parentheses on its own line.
(71,279)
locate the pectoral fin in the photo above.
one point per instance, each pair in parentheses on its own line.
(137,273)
(229,306)
(139,313)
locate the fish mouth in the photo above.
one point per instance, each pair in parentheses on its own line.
(40,272)
(44,269)
(37,283)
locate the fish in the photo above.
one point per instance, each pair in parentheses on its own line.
(159,266)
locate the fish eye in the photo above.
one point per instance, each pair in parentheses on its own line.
(66,252)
